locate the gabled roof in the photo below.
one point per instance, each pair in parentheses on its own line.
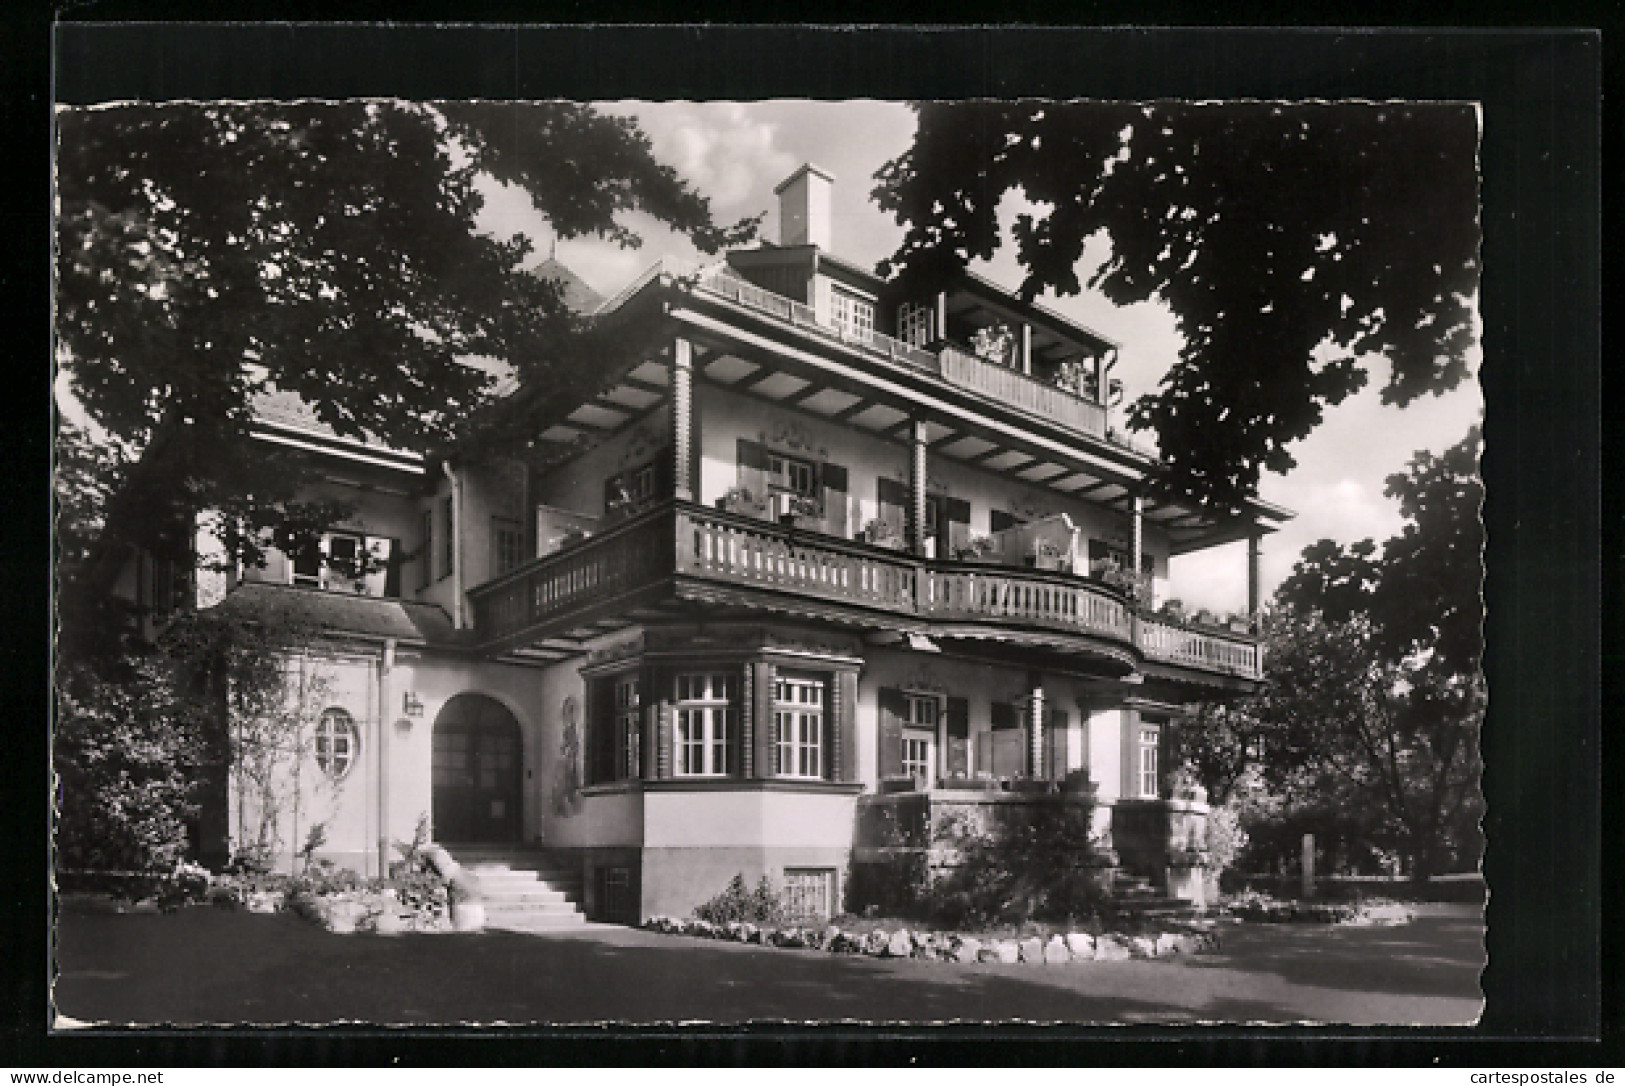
(338,614)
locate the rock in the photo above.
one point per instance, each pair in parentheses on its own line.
(876,943)
(734,929)
(1008,951)
(1143,946)
(899,945)
(847,943)
(987,954)
(1111,948)
(704,929)
(1031,950)
(1168,943)
(1081,945)
(263,901)
(968,949)
(1055,951)
(831,932)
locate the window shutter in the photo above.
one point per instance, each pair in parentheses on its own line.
(845,757)
(753,469)
(998,520)
(1004,715)
(956,514)
(392,569)
(892,708)
(833,479)
(958,737)
(893,498)
(1055,744)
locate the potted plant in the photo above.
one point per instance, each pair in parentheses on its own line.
(742,501)
(880,533)
(978,548)
(801,511)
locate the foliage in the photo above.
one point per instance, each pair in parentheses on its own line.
(738,499)
(763,905)
(977,546)
(128,746)
(1291,242)
(1018,869)
(211,254)
(880,532)
(414,852)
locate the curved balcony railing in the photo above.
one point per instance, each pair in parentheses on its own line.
(731,549)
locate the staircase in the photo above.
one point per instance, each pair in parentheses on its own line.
(1137,894)
(522,889)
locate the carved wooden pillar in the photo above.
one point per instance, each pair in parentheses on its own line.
(682,419)
(916,528)
(1137,534)
(1254,550)
(1035,727)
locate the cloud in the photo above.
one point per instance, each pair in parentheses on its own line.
(726,154)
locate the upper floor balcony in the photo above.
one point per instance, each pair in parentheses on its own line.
(951,364)
(678,552)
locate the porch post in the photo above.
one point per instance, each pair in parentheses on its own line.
(916,528)
(1035,725)
(682,419)
(1136,533)
(1254,550)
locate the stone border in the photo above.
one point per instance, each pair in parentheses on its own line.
(945,947)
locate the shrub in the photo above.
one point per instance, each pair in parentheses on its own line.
(759,906)
(1020,869)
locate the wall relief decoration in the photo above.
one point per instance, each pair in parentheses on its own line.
(793,437)
(567,775)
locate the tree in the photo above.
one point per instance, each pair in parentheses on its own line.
(1288,240)
(210,254)
(1369,723)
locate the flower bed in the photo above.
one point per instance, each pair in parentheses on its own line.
(1058,949)
(1263,909)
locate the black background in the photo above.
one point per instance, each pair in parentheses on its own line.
(1544,463)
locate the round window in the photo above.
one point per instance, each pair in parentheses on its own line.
(336,742)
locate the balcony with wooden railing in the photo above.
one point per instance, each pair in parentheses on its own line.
(720,554)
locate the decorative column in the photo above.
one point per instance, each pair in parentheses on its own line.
(916,528)
(1035,726)
(1137,534)
(1026,347)
(1254,551)
(682,419)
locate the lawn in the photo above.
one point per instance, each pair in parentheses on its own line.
(204,965)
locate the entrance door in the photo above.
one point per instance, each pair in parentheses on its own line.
(476,772)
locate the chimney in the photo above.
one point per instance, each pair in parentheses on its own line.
(804,214)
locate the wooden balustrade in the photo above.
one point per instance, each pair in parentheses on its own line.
(1019,390)
(1233,654)
(733,549)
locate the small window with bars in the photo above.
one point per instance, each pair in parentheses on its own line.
(809,893)
(1149,738)
(627,727)
(914,323)
(507,545)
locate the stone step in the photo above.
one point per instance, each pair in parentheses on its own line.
(494,906)
(499,876)
(540,895)
(535,923)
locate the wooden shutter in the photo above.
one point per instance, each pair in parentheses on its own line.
(1004,715)
(893,499)
(753,469)
(833,481)
(392,569)
(1055,744)
(956,518)
(845,757)
(892,709)
(958,737)
(766,737)
(998,520)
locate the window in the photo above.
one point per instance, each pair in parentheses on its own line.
(809,892)
(1149,737)
(507,545)
(344,562)
(798,477)
(631,490)
(627,729)
(853,317)
(707,720)
(915,324)
(447,538)
(919,736)
(336,743)
(307,565)
(798,722)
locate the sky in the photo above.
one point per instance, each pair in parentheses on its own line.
(735,153)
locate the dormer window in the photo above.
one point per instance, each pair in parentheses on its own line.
(852,315)
(345,562)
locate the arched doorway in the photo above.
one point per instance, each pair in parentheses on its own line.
(475,772)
